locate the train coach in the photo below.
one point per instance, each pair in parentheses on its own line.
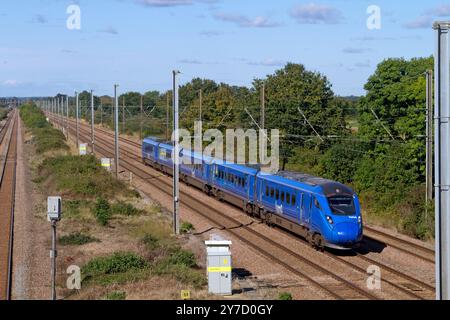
(325,212)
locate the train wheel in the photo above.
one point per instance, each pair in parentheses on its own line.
(318,242)
(249,209)
(207,190)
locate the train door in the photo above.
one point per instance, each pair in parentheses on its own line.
(306,208)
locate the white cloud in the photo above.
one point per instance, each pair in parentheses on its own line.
(172,3)
(314,13)
(354,50)
(421,22)
(10,83)
(110,30)
(440,11)
(190,61)
(268,63)
(39,18)
(244,21)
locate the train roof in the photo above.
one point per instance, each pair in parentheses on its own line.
(239,167)
(309,182)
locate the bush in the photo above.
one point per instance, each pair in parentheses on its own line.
(285,296)
(77,238)
(125,209)
(151,242)
(119,262)
(81,176)
(46,137)
(102,211)
(187,227)
(182,257)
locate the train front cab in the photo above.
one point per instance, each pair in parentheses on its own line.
(339,219)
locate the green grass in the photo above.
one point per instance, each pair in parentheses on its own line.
(116,269)
(81,177)
(3,113)
(76,238)
(116,295)
(118,262)
(285,296)
(125,209)
(46,138)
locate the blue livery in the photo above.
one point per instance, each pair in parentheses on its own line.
(325,212)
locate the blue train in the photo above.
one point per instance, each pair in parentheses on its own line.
(324,212)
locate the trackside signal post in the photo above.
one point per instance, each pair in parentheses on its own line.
(442,159)
(54,215)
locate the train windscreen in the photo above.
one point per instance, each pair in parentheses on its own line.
(342,205)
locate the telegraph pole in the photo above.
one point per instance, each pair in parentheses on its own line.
(167,116)
(123,115)
(201,103)
(176,156)
(67,116)
(62,112)
(263,106)
(116,129)
(92,123)
(429,135)
(77,115)
(141,119)
(442,159)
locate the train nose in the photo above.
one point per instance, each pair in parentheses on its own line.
(347,232)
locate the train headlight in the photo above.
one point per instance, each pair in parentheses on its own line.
(330,220)
(359,220)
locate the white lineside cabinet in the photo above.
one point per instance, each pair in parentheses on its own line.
(54,208)
(219,267)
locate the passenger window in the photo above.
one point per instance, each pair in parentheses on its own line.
(277,194)
(272,192)
(267,191)
(294,199)
(288,198)
(282,196)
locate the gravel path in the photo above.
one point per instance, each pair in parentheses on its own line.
(31,262)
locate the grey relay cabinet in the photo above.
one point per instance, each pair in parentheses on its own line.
(219,267)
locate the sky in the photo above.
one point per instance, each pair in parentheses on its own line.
(137,43)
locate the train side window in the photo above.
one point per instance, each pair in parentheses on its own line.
(316,203)
(294,200)
(282,196)
(267,191)
(272,192)
(288,198)
(277,194)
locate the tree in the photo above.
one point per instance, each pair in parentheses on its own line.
(293,88)
(396,94)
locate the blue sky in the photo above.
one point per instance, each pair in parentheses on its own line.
(137,43)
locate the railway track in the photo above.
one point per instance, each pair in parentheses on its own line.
(405,246)
(7,200)
(333,286)
(413,288)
